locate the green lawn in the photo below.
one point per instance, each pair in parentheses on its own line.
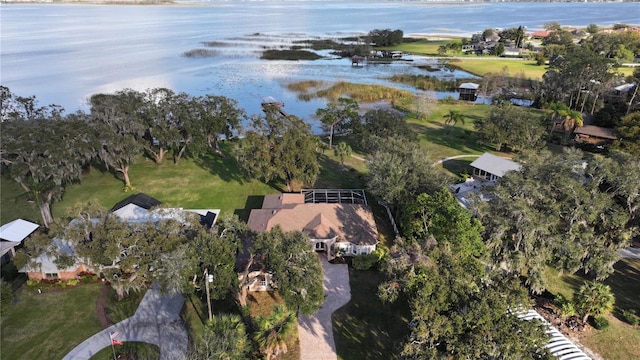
(625,284)
(423,47)
(212,182)
(141,350)
(480,66)
(444,140)
(14,204)
(49,325)
(366,328)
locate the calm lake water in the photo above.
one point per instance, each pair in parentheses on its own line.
(64,53)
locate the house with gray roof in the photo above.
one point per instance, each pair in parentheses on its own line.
(492,167)
(138,208)
(11,236)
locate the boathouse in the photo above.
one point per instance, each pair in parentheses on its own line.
(467,91)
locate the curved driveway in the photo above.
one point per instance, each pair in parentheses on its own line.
(156,321)
(316,332)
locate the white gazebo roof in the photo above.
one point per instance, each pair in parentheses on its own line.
(495,165)
(471,86)
(17,230)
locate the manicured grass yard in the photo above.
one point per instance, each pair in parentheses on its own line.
(444,140)
(141,350)
(424,47)
(366,328)
(210,183)
(49,325)
(620,340)
(484,65)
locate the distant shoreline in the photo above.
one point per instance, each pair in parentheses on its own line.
(94,2)
(172,2)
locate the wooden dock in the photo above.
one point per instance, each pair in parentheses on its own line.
(270,102)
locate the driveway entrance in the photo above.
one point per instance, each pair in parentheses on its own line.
(316,332)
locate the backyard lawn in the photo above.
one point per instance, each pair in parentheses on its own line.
(424,47)
(625,284)
(366,328)
(527,69)
(49,325)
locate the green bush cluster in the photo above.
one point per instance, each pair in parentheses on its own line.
(48,285)
(366,262)
(567,308)
(600,322)
(630,317)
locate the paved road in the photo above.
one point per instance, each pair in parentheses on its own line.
(316,332)
(156,321)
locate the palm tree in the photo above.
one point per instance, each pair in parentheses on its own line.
(572,119)
(224,337)
(453,117)
(558,110)
(274,330)
(594,298)
(342,150)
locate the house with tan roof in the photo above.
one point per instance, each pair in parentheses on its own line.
(334,224)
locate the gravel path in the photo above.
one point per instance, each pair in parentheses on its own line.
(315,332)
(156,321)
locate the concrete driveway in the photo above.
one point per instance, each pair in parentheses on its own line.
(316,332)
(156,321)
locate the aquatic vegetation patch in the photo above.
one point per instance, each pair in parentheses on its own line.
(365,93)
(425,82)
(274,54)
(200,53)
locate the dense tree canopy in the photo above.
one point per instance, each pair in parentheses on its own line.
(457,309)
(399,170)
(381,124)
(118,130)
(570,211)
(629,132)
(386,37)
(439,215)
(296,269)
(339,117)
(279,148)
(124,252)
(571,74)
(44,156)
(224,337)
(510,126)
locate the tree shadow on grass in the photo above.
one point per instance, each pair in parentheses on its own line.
(453,137)
(458,166)
(366,328)
(253,202)
(335,176)
(625,284)
(226,168)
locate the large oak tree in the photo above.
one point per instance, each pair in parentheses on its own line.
(572,211)
(279,148)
